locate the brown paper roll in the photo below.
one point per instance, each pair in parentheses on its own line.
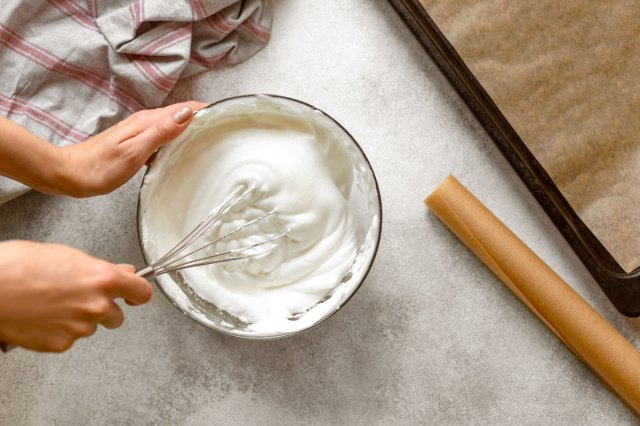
(569,316)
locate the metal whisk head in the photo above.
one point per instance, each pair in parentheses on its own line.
(179,256)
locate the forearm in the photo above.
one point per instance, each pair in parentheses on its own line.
(27,158)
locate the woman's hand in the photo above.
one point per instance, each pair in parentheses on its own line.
(109,159)
(51,295)
(96,166)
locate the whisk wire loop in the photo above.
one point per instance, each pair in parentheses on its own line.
(175,259)
(217,240)
(203,227)
(214,258)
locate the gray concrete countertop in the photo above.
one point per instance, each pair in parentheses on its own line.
(432,336)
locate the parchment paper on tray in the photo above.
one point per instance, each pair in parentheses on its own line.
(567,77)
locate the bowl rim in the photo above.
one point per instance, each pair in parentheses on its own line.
(336,308)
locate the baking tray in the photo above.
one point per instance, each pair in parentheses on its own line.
(622,288)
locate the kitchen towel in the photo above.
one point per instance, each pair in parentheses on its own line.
(71,68)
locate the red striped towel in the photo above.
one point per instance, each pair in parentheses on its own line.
(71,68)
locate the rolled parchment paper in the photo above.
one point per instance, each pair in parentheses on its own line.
(569,316)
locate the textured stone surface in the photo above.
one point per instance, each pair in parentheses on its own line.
(432,336)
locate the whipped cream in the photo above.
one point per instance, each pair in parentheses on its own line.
(295,165)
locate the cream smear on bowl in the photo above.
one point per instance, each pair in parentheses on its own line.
(297,163)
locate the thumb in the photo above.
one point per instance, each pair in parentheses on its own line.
(164,130)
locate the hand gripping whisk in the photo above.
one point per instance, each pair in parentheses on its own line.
(183,255)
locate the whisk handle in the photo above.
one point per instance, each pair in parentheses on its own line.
(147,272)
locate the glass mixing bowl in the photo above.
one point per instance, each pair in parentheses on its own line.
(365,203)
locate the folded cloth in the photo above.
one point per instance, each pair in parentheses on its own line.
(71,68)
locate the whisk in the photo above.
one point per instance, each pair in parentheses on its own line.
(180,256)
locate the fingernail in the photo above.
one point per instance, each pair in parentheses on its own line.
(126,266)
(182,115)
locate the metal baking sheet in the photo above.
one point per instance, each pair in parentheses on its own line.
(553,85)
